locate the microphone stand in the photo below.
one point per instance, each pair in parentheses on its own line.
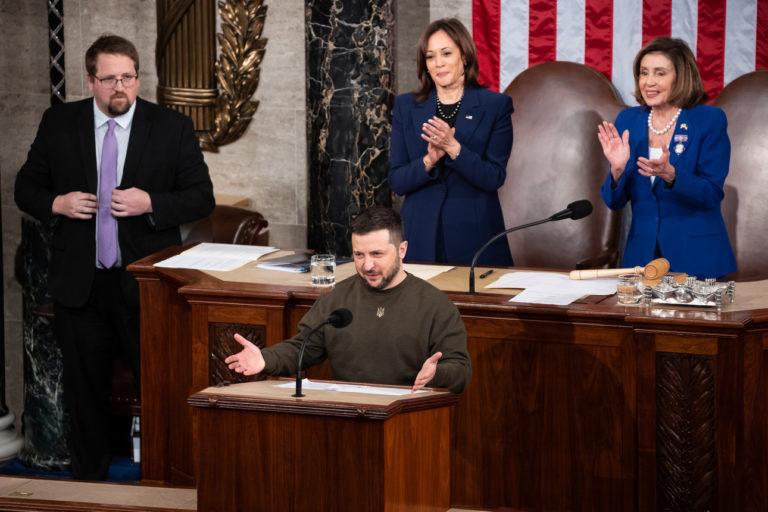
(489,242)
(298,393)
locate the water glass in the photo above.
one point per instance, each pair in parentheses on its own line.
(629,288)
(322,268)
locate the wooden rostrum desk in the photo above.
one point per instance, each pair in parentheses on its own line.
(592,406)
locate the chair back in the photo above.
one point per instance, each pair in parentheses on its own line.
(745,209)
(556,159)
(229,225)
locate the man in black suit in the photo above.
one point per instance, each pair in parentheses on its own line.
(114,176)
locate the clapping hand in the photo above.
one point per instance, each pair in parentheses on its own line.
(661,167)
(615,147)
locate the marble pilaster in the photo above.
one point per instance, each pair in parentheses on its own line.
(349,97)
(44,417)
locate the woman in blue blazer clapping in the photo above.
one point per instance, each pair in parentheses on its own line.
(669,157)
(451,140)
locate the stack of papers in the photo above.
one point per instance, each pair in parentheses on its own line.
(221,257)
(553,287)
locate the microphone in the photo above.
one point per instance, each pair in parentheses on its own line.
(576,210)
(339,319)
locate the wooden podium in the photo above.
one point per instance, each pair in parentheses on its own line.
(259,448)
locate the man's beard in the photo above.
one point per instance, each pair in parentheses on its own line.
(388,277)
(114,110)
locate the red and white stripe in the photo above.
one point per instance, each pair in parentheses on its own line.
(729,37)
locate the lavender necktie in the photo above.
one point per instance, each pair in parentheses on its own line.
(106,224)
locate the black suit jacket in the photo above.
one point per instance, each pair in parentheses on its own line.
(163,159)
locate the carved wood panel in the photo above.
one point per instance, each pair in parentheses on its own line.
(221,343)
(685,432)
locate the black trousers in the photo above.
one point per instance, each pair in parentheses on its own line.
(91,337)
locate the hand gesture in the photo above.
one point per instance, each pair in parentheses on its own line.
(661,167)
(130,202)
(427,372)
(440,134)
(434,154)
(248,361)
(615,148)
(75,205)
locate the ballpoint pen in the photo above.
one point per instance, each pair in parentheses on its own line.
(486,274)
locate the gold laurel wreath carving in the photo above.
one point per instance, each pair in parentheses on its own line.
(238,70)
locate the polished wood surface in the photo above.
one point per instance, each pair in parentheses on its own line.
(262,450)
(565,410)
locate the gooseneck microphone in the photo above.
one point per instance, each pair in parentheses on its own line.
(339,319)
(576,210)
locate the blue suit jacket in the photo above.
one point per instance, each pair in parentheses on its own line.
(461,193)
(683,219)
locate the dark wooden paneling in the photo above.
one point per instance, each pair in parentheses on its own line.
(562,409)
(549,420)
(262,461)
(685,432)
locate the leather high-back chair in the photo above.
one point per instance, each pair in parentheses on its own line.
(745,209)
(556,159)
(230,225)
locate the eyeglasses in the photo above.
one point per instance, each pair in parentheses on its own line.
(111,81)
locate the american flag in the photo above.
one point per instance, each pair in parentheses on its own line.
(728,37)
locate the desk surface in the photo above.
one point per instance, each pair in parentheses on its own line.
(749,295)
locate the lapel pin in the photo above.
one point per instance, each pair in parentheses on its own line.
(679,148)
(681,137)
(683,126)
(468,116)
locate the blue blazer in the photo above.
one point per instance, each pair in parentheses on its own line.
(459,193)
(684,219)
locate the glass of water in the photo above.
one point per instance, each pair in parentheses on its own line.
(629,288)
(322,268)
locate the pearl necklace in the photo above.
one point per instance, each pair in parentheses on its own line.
(455,110)
(666,128)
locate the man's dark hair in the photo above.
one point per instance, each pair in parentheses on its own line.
(111,44)
(376,218)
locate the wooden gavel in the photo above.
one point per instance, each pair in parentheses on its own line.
(656,269)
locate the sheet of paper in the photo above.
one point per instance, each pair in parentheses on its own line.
(221,257)
(533,296)
(348,388)
(555,282)
(425,272)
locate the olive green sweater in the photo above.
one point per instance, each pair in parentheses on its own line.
(391,335)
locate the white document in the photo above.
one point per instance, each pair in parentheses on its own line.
(425,272)
(348,388)
(555,281)
(221,257)
(553,287)
(533,296)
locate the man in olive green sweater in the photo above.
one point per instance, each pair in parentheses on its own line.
(404,331)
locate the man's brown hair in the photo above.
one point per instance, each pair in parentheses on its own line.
(111,44)
(376,218)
